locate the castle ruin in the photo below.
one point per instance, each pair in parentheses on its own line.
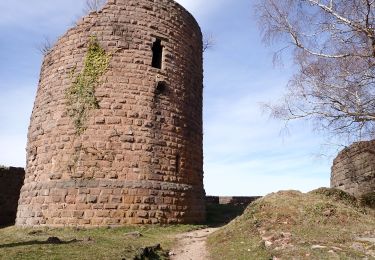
(116,130)
(353,169)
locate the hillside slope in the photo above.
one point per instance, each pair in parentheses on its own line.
(322,224)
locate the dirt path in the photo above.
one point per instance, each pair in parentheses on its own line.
(192,245)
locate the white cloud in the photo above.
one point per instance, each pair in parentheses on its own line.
(25,12)
(244,151)
(200,8)
(190,4)
(13,150)
(15,105)
(234,180)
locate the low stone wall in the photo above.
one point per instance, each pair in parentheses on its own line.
(222,210)
(353,170)
(11,180)
(236,201)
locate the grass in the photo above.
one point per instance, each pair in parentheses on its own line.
(323,224)
(98,243)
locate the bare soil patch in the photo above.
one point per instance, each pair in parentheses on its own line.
(192,245)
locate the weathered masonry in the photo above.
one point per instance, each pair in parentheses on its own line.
(353,169)
(116,131)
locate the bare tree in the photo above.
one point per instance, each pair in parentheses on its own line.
(45,46)
(93,5)
(208,41)
(333,45)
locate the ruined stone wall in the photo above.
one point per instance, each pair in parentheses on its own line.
(353,169)
(11,180)
(230,200)
(139,159)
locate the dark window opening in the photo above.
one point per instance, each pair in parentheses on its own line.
(157,54)
(178,162)
(161,87)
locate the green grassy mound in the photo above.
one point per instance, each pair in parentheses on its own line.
(322,224)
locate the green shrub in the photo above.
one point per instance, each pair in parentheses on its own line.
(368,200)
(336,194)
(81,94)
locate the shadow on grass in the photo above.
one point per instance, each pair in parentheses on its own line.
(36,242)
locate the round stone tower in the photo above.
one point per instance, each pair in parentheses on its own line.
(353,169)
(116,130)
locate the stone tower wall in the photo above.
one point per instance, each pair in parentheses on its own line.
(140,159)
(353,169)
(11,180)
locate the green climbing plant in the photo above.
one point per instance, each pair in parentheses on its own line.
(81,94)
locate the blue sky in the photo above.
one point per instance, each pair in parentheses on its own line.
(245,152)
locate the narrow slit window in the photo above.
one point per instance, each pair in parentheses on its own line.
(178,162)
(161,88)
(157,54)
